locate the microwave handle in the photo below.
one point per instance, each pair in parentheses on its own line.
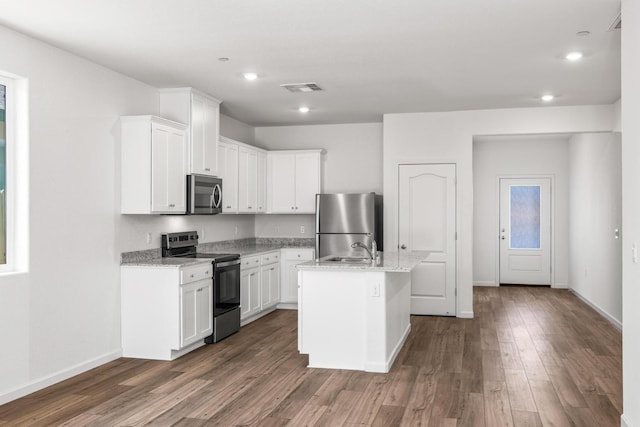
(216,197)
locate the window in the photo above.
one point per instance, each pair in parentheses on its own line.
(3,174)
(14,174)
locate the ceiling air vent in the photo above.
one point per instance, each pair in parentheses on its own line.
(617,23)
(301,87)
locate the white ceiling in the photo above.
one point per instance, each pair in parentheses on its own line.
(370,56)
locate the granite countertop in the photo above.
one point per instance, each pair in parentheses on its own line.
(387,261)
(243,247)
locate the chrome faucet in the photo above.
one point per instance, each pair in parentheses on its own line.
(373,253)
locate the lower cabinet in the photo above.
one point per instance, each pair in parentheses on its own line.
(166,311)
(196,314)
(259,284)
(289,283)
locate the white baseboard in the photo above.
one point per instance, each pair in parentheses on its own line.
(623,421)
(484,283)
(560,286)
(465,314)
(597,308)
(287,306)
(62,375)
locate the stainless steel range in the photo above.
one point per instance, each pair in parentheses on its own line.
(226,281)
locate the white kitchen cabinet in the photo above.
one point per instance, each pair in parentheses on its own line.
(269,280)
(196,316)
(166,311)
(293,180)
(289,279)
(243,173)
(249,292)
(247,180)
(201,113)
(228,171)
(153,165)
(262,181)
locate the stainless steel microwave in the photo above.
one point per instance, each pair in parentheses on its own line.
(204,195)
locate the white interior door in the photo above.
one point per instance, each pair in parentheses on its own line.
(525,231)
(427,222)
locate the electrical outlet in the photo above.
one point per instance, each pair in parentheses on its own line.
(236,230)
(149,238)
(201,236)
(302,229)
(376,290)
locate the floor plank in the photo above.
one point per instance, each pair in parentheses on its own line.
(531,357)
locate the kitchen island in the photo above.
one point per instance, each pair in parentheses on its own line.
(355,315)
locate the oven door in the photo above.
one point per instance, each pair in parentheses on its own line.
(204,195)
(226,286)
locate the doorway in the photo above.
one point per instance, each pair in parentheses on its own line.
(525,231)
(427,222)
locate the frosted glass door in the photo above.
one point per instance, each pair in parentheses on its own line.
(525,231)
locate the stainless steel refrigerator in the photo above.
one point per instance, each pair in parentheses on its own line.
(343,219)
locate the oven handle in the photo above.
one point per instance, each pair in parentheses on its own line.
(227,263)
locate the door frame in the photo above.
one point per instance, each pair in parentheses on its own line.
(457,221)
(552,214)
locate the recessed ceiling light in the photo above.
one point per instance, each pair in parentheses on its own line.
(223,59)
(250,76)
(582,33)
(303,110)
(573,56)
(547,98)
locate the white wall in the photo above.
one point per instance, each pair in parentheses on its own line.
(532,155)
(63,315)
(448,137)
(596,211)
(352,163)
(235,129)
(631,210)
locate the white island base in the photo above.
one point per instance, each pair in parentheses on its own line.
(353,318)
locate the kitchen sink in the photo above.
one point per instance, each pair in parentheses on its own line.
(348,260)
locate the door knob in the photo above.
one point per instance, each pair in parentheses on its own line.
(403,246)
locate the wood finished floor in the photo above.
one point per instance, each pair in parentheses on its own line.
(531,357)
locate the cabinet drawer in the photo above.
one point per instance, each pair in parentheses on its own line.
(302,255)
(195,273)
(270,258)
(250,261)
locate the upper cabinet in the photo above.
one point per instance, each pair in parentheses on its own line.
(243,173)
(293,180)
(153,165)
(201,113)
(228,171)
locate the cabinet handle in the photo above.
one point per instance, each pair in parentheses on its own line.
(296,208)
(292,208)
(228,207)
(259,207)
(298,255)
(172,205)
(267,259)
(273,268)
(249,207)
(206,272)
(191,276)
(207,169)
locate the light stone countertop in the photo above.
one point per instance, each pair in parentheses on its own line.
(387,261)
(243,247)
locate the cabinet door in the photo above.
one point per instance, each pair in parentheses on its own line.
(247,180)
(168,169)
(307,182)
(254,290)
(245,306)
(262,182)
(265,280)
(198,142)
(274,284)
(188,310)
(282,187)
(228,166)
(204,312)
(290,288)
(211,134)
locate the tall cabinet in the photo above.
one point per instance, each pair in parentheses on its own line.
(201,113)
